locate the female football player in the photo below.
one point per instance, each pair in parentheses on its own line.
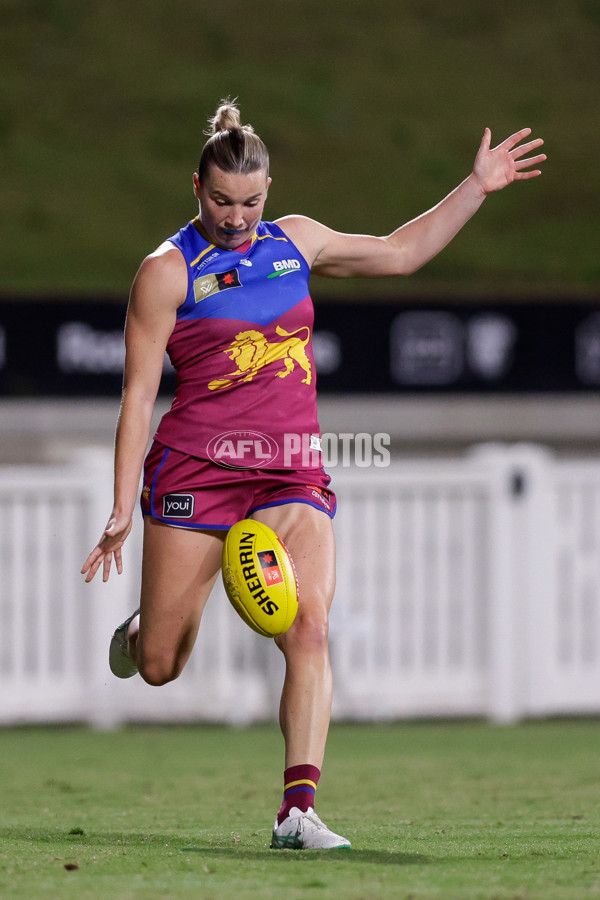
(227,297)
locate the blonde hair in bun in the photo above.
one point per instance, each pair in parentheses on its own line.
(232,147)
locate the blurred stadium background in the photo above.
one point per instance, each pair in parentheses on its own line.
(372,113)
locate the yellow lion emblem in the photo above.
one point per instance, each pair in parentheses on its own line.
(251,351)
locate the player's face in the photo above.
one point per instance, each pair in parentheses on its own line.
(231,204)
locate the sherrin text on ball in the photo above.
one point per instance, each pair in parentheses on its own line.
(260,578)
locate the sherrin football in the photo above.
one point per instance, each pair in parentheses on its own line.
(260,578)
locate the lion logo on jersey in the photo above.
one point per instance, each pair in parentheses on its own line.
(251,351)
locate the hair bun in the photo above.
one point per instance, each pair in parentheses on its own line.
(226,117)
(231,146)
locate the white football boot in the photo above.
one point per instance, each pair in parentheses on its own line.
(305,831)
(119,660)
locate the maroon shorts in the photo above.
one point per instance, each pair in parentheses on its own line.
(196,493)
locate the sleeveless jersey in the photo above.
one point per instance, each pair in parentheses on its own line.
(241,348)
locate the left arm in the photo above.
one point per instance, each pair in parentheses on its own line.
(336,255)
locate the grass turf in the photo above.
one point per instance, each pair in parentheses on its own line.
(457,811)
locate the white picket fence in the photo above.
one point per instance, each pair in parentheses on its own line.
(465,587)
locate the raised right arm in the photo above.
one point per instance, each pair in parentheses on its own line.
(159,288)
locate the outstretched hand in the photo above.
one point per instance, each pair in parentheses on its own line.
(108,548)
(495,168)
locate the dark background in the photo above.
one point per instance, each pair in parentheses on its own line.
(75,348)
(372,113)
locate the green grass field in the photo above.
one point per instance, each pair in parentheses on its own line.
(435,811)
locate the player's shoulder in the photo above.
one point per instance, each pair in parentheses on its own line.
(298,224)
(306,233)
(167,259)
(163,273)
(166,254)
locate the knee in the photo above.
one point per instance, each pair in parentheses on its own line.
(309,633)
(158,671)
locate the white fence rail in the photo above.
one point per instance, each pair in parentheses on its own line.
(465,587)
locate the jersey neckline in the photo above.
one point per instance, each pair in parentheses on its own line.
(243,248)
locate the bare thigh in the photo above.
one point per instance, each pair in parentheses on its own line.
(179,569)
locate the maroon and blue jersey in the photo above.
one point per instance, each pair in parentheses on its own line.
(241,348)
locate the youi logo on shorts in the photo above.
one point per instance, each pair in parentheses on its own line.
(178,506)
(285,267)
(242,449)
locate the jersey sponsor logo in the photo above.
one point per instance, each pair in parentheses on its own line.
(211,284)
(285,267)
(178,506)
(251,352)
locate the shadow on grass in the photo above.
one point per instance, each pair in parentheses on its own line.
(381,857)
(142,841)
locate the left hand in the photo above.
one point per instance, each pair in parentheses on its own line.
(495,169)
(108,548)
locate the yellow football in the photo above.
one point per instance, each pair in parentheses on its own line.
(260,578)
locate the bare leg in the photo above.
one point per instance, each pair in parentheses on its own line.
(305,707)
(179,568)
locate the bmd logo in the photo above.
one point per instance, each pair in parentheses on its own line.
(284,267)
(242,449)
(178,506)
